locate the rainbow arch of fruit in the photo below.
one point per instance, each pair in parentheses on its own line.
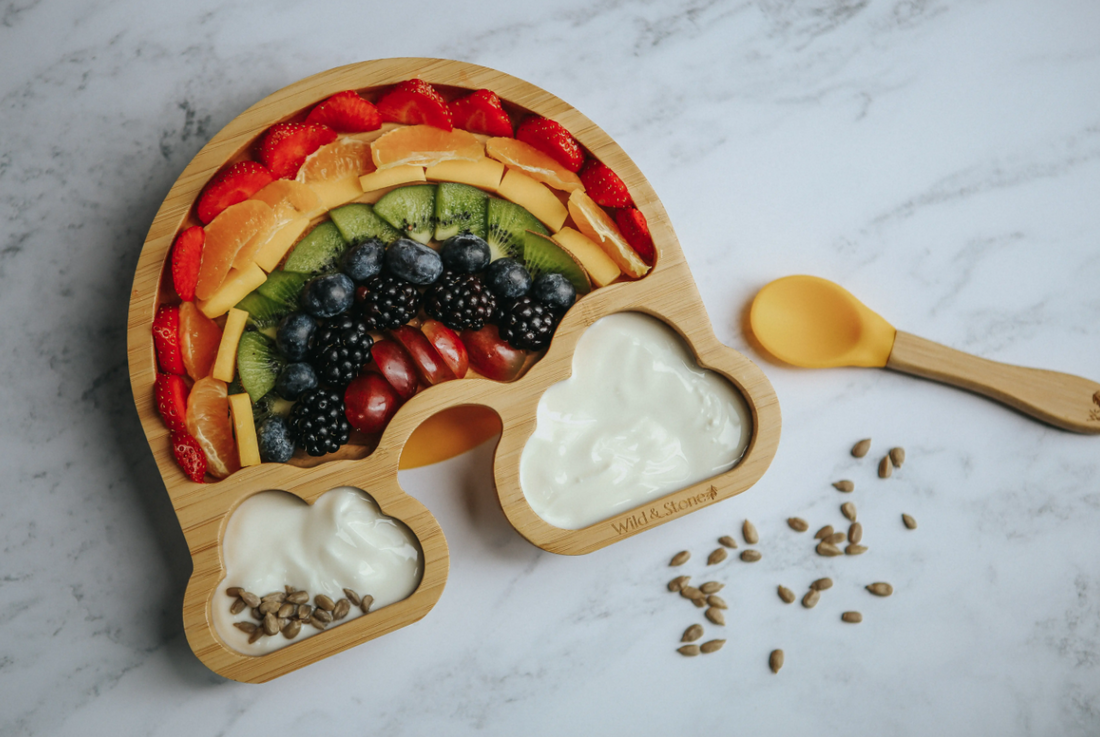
(409,167)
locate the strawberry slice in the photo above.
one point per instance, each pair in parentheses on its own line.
(346,112)
(415,102)
(286,145)
(481,112)
(186,260)
(189,455)
(635,229)
(553,140)
(230,186)
(166,339)
(171,392)
(604,185)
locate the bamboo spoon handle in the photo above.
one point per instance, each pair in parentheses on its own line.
(1063,400)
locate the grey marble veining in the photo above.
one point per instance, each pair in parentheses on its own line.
(940,158)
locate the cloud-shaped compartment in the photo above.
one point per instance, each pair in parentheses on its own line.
(274,539)
(638,419)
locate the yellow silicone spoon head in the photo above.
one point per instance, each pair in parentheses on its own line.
(812,322)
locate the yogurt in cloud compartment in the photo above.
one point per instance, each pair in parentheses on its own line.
(638,419)
(342,541)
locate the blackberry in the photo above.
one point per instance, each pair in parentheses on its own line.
(340,348)
(527,323)
(460,301)
(319,423)
(388,302)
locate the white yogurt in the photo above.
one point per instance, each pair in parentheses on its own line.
(342,541)
(637,419)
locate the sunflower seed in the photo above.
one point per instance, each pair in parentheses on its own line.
(298,597)
(270,606)
(712,646)
(246,627)
(352,596)
(751,556)
(717,556)
(897,456)
(852,617)
(854,549)
(365,602)
(785,594)
(880,588)
(256,615)
(699,603)
(860,449)
(828,549)
(748,531)
(678,583)
(909,522)
(715,615)
(844,485)
(323,602)
(289,589)
(836,538)
(811,598)
(256,635)
(292,629)
(271,625)
(824,532)
(286,610)
(323,614)
(317,623)
(848,510)
(822,584)
(234,591)
(238,606)
(690,592)
(305,611)
(278,596)
(885,468)
(692,633)
(282,622)
(342,608)
(250,599)
(711,587)
(797,524)
(775,660)
(717,601)
(855,532)
(688,650)
(680,558)
(728,541)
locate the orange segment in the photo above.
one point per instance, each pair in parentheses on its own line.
(344,158)
(199,340)
(534,163)
(424,145)
(598,225)
(208,421)
(226,234)
(290,200)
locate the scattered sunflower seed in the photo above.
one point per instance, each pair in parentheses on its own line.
(292,629)
(305,611)
(699,603)
(728,541)
(880,588)
(855,532)
(238,606)
(365,602)
(342,608)
(289,589)
(246,627)
(257,634)
(822,584)
(711,587)
(692,633)
(715,615)
(811,598)
(323,614)
(885,468)
(678,583)
(797,524)
(717,601)
(278,596)
(712,646)
(854,549)
(824,532)
(318,623)
(323,602)
(234,591)
(690,592)
(688,650)
(286,610)
(828,549)
(848,510)
(256,615)
(852,617)
(298,597)
(748,531)
(270,625)
(751,556)
(909,522)
(785,594)
(775,660)
(860,449)
(680,558)
(270,606)
(836,538)
(250,599)
(897,456)
(352,596)
(717,556)
(844,485)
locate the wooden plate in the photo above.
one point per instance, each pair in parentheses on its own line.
(668,293)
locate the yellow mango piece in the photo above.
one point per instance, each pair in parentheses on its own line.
(238,284)
(240,406)
(536,198)
(391,177)
(484,174)
(290,200)
(601,269)
(598,225)
(225,365)
(281,241)
(337,192)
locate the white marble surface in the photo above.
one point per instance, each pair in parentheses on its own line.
(941,158)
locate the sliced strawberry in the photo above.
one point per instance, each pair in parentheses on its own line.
(189,455)
(166,340)
(186,260)
(286,145)
(635,229)
(346,112)
(234,184)
(553,140)
(171,392)
(604,185)
(415,102)
(481,112)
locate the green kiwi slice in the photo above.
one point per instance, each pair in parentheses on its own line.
(318,252)
(459,208)
(541,255)
(358,222)
(258,363)
(508,224)
(411,210)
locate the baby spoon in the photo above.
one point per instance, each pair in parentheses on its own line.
(812,322)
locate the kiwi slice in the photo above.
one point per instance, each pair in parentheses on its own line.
(284,288)
(263,312)
(411,210)
(541,255)
(269,405)
(258,363)
(358,222)
(459,208)
(318,252)
(507,226)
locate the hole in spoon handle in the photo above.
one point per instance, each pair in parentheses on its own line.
(1066,401)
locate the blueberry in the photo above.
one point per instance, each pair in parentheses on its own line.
(555,291)
(295,380)
(294,334)
(275,440)
(328,296)
(413,262)
(466,253)
(508,279)
(364,261)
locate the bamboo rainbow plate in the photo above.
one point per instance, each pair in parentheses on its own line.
(439,421)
